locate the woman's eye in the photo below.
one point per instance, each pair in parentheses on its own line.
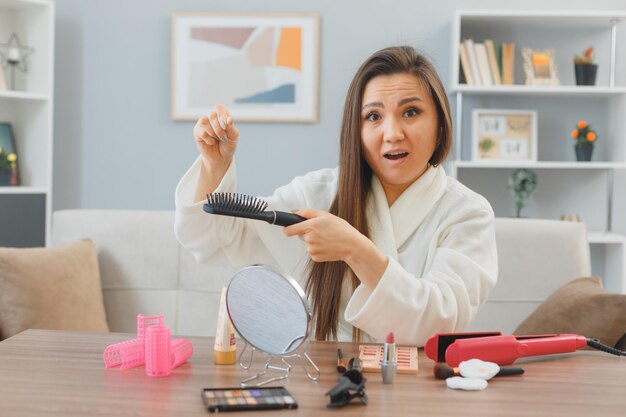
(372,117)
(411,112)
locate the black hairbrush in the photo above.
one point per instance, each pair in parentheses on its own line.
(240,205)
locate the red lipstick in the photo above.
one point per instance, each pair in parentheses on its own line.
(389,366)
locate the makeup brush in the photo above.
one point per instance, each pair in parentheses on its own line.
(240,205)
(341,364)
(443,371)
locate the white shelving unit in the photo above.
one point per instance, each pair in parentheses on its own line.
(564,185)
(25,210)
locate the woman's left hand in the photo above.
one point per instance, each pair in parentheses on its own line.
(327,237)
(330,238)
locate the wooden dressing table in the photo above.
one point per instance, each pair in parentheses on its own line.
(57,373)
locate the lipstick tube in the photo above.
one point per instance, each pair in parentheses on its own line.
(389,365)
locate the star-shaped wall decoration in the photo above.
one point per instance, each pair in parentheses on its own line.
(13,53)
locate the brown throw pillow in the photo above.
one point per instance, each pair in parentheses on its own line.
(51,288)
(580,307)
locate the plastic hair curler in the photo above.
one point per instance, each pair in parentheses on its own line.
(152,347)
(159,357)
(127,354)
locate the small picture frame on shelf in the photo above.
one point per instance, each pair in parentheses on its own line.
(504,135)
(9,174)
(539,66)
(263,67)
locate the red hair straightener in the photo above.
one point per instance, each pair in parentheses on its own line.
(454,348)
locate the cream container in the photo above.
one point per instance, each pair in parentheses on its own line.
(225,349)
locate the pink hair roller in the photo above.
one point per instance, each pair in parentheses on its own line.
(159,358)
(128,354)
(143,322)
(152,347)
(182,350)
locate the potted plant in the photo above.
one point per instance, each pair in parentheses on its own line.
(8,168)
(585,138)
(522,184)
(585,68)
(485,146)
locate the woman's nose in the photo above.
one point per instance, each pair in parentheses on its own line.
(393,131)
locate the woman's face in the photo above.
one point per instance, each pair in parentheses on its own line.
(399,130)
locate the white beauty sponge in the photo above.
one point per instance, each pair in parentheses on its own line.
(475,368)
(467,384)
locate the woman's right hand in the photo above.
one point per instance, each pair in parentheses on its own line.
(216,138)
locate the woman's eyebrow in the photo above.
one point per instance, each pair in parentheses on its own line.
(400,103)
(408,100)
(373,104)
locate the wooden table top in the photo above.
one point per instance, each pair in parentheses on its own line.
(54,373)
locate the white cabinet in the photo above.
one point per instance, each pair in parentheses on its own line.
(25,209)
(590,189)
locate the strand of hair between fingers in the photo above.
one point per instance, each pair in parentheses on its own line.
(225,139)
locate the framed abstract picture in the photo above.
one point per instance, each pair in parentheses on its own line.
(262,67)
(504,135)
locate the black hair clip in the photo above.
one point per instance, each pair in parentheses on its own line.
(355,363)
(351,384)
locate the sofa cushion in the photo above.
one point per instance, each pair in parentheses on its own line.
(51,288)
(580,307)
(535,258)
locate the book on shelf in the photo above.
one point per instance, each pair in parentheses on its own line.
(508,63)
(493,61)
(462,79)
(483,63)
(466,69)
(473,61)
(486,64)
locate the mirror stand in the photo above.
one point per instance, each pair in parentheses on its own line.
(286,370)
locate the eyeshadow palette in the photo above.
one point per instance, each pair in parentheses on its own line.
(242,399)
(372,358)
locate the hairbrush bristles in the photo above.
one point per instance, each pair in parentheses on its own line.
(237,202)
(248,207)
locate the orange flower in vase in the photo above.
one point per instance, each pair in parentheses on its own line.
(585,138)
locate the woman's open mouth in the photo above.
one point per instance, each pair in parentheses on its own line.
(396,155)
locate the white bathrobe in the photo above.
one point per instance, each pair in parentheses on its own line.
(438,236)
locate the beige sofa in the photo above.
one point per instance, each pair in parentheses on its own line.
(145,270)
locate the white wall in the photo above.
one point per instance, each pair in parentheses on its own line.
(115,144)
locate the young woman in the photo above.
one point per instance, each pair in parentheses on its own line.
(390,242)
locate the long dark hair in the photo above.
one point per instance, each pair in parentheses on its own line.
(325,279)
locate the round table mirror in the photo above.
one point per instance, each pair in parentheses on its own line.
(270,312)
